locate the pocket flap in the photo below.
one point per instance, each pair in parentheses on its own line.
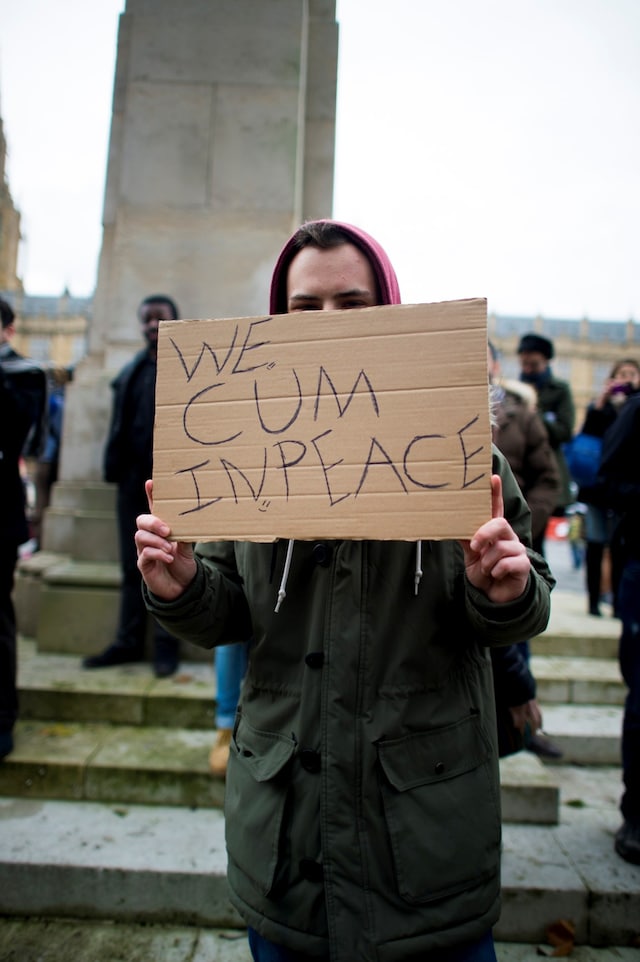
(262,753)
(433,756)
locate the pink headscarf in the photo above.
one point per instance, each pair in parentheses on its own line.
(382,267)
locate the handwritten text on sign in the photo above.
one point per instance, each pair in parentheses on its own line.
(360,424)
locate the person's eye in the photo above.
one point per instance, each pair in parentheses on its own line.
(354,302)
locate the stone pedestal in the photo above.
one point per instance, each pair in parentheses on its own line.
(222,142)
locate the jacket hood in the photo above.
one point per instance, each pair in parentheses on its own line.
(383,269)
(524,392)
(389,291)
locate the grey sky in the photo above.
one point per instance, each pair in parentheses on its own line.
(492,147)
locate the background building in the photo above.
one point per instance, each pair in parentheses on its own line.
(51,330)
(585,350)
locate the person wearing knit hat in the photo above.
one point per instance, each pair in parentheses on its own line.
(537,344)
(362,797)
(556,408)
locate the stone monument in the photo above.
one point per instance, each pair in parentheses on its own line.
(222,142)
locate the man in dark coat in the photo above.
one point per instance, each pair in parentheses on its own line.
(555,406)
(620,473)
(23,394)
(128,463)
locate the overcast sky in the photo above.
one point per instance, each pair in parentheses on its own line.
(492,146)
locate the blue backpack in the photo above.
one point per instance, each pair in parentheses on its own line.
(582,455)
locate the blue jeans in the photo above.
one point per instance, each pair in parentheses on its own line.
(482,951)
(230,665)
(629,654)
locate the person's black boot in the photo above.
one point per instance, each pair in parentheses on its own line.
(165,657)
(113,655)
(6,744)
(627,841)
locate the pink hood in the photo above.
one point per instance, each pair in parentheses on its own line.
(385,274)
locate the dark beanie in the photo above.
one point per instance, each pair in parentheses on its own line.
(535,342)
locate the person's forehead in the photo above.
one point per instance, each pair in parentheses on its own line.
(344,260)
(155,307)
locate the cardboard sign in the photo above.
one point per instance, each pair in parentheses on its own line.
(362,424)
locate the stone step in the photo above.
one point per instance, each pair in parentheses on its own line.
(576,645)
(27,940)
(58,940)
(111,763)
(160,864)
(135,764)
(529,790)
(586,734)
(57,686)
(574,633)
(578,681)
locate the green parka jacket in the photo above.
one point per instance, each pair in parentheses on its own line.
(362,800)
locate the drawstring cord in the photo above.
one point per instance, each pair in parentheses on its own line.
(417,577)
(282,590)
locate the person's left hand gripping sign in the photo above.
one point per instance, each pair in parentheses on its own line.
(495,559)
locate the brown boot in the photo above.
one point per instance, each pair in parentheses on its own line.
(219,754)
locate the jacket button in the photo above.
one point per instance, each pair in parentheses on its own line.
(439,768)
(321,554)
(310,760)
(315,659)
(311,870)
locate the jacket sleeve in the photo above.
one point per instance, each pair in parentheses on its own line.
(598,420)
(527,615)
(23,397)
(111,468)
(618,465)
(213,610)
(561,421)
(542,477)
(512,679)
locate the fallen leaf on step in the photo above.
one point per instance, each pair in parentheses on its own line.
(57,731)
(561,935)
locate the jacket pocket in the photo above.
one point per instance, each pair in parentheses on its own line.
(442,809)
(255,798)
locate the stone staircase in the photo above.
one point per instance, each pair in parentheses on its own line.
(108,811)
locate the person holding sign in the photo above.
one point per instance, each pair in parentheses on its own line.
(362,801)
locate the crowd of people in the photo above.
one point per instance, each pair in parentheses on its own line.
(360,725)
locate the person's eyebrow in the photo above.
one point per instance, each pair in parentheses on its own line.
(354,292)
(303,297)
